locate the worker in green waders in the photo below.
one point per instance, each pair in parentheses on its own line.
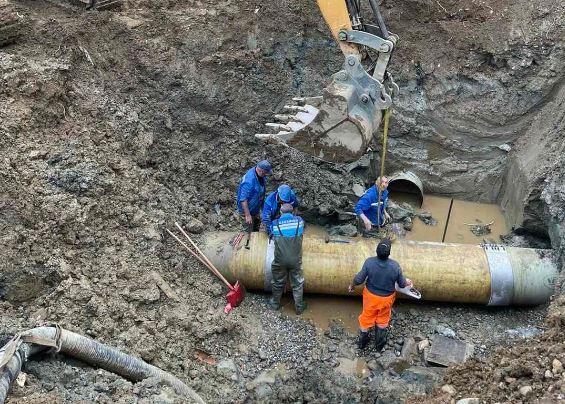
(287,233)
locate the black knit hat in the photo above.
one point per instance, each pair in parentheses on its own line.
(383,249)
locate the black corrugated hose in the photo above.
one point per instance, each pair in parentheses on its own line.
(93,353)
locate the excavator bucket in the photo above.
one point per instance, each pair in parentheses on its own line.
(339,125)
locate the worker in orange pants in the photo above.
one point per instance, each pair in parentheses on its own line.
(380,275)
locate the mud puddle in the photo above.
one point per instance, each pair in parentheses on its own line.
(455,220)
(355,367)
(323,310)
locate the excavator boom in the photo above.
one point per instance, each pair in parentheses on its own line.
(339,125)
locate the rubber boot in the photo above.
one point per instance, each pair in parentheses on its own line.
(364,338)
(275,301)
(299,308)
(381,335)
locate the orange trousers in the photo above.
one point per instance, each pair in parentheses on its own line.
(377,310)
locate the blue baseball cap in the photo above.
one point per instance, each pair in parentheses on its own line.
(285,193)
(265,165)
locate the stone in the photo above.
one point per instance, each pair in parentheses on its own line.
(348,230)
(556,366)
(263,391)
(472,400)
(372,364)
(195,226)
(445,331)
(449,389)
(227,368)
(525,390)
(400,212)
(505,146)
(524,332)
(409,349)
(428,377)
(425,343)
(408,224)
(358,190)
(548,374)
(446,351)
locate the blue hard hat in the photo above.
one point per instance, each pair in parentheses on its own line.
(265,165)
(285,193)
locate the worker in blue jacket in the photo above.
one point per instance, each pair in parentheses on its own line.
(272,208)
(288,230)
(370,212)
(251,194)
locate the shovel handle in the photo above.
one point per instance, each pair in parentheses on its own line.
(213,270)
(217,272)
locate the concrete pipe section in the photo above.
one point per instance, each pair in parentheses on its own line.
(462,273)
(406,182)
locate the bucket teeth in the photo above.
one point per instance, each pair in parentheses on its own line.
(315,101)
(278,126)
(288,124)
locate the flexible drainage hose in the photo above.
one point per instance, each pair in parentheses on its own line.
(94,353)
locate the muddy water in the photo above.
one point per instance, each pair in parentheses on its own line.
(323,310)
(462,214)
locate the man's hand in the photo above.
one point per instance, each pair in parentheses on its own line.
(351,288)
(248,219)
(368,224)
(387,217)
(409,283)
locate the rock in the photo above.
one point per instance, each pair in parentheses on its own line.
(445,331)
(409,349)
(348,230)
(505,146)
(195,226)
(372,364)
(428,377)
(525,390)
(449,389)
(227,368)
(524,332)
(358,190)
(400,212)
(408,224)
(423,345)
(427,218)
(473,400)
(548,374)
(556,367)
(263,391)
(399,365)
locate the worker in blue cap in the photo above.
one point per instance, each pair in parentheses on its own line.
(272,209)
(251,194)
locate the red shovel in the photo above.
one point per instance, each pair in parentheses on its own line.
(236,292)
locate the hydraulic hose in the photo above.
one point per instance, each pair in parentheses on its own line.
(379,18)
(94,353)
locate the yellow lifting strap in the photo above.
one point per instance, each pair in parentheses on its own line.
(383,157)
(385,137)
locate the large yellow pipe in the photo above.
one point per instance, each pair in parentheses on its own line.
(462,273)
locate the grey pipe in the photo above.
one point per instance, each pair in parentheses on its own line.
(100,355)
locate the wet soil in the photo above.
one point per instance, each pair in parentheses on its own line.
(116,124)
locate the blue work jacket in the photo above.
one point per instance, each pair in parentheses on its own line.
(367,204)
(288,225)
(252,189)
(271,209)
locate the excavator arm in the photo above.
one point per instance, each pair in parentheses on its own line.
(339,125)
